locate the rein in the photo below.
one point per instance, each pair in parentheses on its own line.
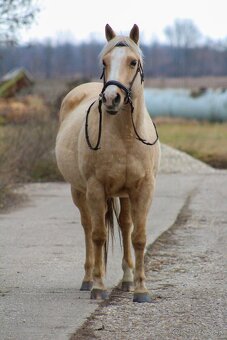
(128,100)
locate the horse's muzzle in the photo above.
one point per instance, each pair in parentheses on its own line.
(111,102)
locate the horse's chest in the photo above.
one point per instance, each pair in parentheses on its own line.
(119,173)
(136,169)
(111,172)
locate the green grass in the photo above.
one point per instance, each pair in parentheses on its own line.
(205,141)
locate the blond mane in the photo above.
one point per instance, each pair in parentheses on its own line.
(125,40)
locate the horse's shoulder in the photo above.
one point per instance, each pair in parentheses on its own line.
(77,95)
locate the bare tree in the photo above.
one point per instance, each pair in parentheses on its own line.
(183,33)
(183,37)
(14,15)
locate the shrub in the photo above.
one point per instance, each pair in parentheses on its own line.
(26,151)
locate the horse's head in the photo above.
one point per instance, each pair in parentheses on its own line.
(122,61)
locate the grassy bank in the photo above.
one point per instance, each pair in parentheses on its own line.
(205,141)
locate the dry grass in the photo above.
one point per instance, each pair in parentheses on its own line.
(22,109)
(205,141)
(26,145)
(26,153)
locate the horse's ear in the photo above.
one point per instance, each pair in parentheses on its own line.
(134,34)
(110,34)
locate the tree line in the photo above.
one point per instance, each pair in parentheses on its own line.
(68,60)
(185,53)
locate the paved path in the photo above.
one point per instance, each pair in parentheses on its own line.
(42,253)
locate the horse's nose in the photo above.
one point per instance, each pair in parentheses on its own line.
(111,100)
(104,98)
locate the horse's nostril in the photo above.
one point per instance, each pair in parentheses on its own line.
(103,98)
(117,99)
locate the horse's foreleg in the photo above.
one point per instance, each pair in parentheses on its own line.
(125,222)
(140,198)
(79,200)
(97,207)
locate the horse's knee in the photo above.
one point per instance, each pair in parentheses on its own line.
(138,241)
(99,237)
(139,245)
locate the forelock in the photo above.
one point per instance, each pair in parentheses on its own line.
(119,41)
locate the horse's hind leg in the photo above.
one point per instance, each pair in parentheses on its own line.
(79,200)
(125,222)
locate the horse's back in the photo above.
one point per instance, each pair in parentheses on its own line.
(81,93)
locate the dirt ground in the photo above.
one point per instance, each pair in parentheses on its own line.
(186,277)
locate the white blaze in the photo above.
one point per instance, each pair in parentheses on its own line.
(116,61)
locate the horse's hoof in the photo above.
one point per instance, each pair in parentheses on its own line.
(86,285)
(127,286)
(99,294)
(142,297)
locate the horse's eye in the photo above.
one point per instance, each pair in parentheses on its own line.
(103,62)
(133,63)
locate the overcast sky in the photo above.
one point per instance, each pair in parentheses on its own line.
(85,19)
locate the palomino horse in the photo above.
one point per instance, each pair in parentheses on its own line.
(107,147)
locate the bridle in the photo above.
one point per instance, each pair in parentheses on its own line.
(128,91)
(127,100)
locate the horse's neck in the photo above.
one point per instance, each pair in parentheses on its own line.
(139,110)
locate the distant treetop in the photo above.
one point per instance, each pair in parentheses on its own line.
(15,15)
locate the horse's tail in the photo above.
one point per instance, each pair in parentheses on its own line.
(112,210)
